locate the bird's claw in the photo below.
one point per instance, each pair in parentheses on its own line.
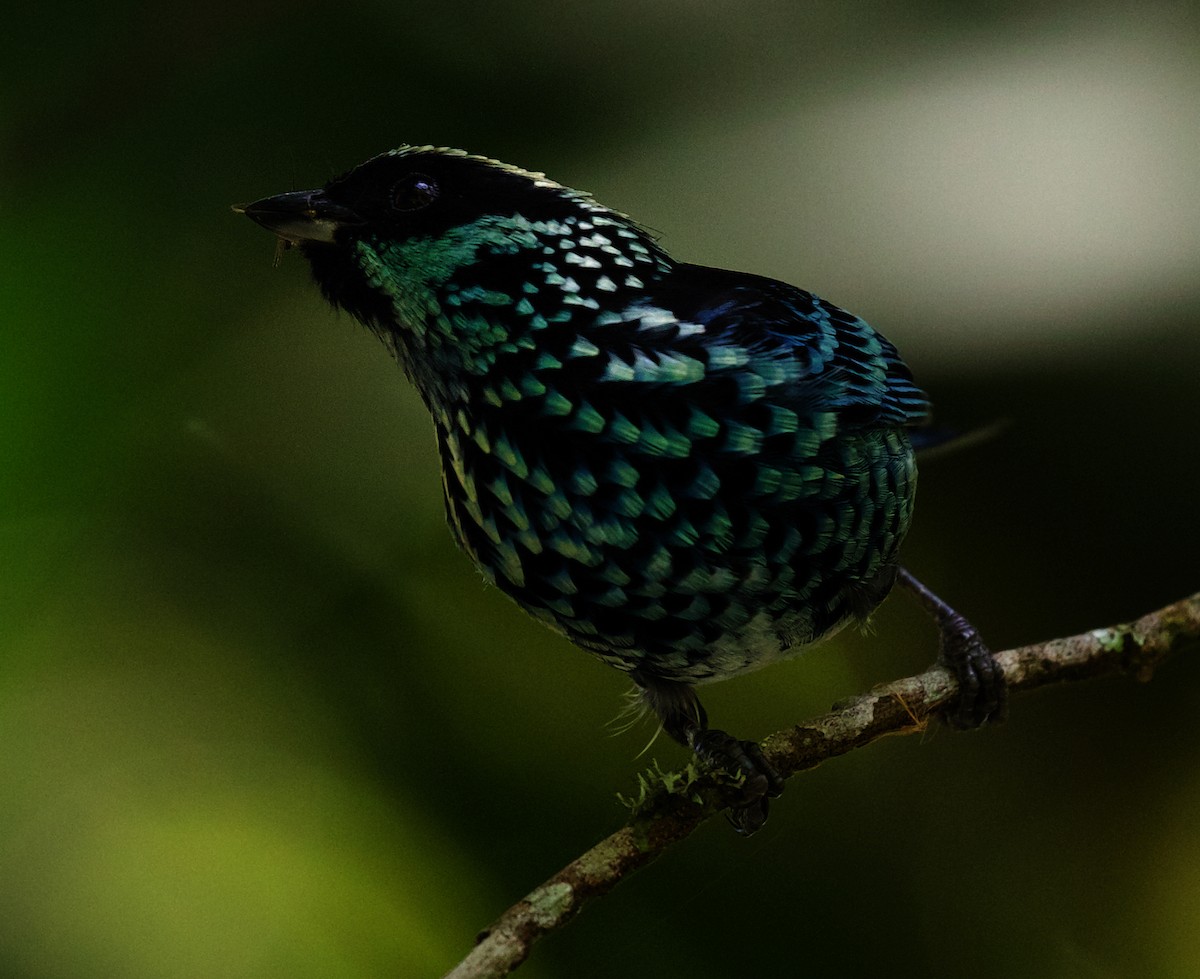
(760,781)
(982,688)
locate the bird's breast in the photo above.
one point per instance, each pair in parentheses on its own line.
(695,566)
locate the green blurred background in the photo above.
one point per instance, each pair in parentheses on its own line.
(259,719)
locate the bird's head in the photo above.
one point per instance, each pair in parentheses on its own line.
(450,258)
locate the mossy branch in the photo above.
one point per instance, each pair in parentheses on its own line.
(681,802)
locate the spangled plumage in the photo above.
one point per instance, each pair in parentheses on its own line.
(692,489)
(689,472)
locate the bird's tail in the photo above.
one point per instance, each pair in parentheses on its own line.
(936,441)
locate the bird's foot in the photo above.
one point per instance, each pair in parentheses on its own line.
(982,688)
(760,781)
(685,720)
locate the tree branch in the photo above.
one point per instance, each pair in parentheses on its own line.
(683,801)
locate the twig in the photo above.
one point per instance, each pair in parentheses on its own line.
(677,807)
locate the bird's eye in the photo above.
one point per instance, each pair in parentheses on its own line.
(413,192)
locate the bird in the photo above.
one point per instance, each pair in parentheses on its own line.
(688,472)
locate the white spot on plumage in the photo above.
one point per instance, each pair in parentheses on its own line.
(617,370)
(583,261)
(649,317)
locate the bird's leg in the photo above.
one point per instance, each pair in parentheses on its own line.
(982,689)
(685,720)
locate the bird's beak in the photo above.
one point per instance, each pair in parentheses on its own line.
(302,215)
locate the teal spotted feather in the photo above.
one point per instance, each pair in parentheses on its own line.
(688,472)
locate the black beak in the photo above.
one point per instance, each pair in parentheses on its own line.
(302,215)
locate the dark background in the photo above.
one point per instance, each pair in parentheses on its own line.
(259,719)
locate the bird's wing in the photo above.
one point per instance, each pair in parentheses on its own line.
(833,360)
